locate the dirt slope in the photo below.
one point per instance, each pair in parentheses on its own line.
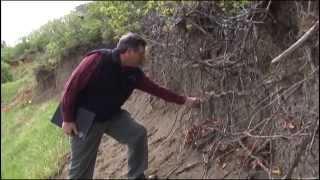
(164,152)
(168,158)
(259,116)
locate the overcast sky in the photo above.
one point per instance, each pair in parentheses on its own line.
(19,18)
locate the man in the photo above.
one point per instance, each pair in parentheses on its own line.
(101,83)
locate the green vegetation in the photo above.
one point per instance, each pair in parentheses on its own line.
(31,146)
(9,90)
(101,21)
(22,79)
(232,7)
(6,74)
(6,55)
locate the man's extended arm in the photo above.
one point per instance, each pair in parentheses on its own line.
(147,85)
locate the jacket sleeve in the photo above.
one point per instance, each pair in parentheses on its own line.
(77,81)
(147,85)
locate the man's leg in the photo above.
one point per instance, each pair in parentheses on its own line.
(126,130)
(84,153)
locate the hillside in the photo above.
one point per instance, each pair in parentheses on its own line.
(255,63)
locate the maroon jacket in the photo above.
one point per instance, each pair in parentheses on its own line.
(81,76)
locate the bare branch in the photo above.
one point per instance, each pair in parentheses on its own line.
(297,44)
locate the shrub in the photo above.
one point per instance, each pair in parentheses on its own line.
(6,74)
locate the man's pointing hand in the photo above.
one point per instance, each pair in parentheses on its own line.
(193,102)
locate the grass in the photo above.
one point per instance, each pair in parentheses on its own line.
(31,146)
(10,89)
(23,78)
(24,70)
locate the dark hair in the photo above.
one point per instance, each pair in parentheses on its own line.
(132,41)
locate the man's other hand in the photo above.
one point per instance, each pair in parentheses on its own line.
(69,128)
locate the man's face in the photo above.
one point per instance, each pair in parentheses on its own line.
(137,57)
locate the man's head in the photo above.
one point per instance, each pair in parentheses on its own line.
(132,49)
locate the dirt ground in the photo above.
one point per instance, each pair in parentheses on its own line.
(168,157)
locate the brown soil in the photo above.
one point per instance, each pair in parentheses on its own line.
(168,158)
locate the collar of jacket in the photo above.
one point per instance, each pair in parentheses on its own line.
(116,56)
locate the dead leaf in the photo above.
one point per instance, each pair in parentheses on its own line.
(288,125)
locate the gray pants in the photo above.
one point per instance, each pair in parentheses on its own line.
(122,128)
